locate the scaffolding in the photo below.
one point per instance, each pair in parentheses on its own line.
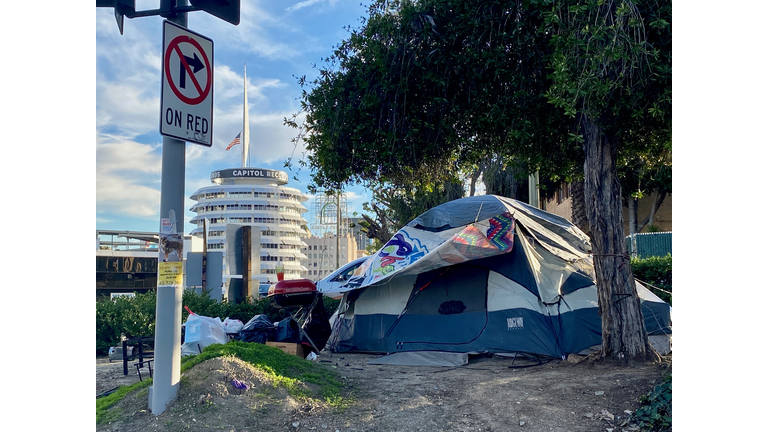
(330,215)
(330,220)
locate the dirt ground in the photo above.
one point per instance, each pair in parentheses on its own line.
(484,395)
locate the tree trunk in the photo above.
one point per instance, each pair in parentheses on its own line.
(377,229)
(632,212)
(472,180)
(578,211)
(624,335)
(657,201)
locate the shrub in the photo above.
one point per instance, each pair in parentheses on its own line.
(243,311)
(132,317)
(330,305)
(655,411)
(657,271)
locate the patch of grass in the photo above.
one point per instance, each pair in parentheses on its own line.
(103,405)
(109,416)
(283,370)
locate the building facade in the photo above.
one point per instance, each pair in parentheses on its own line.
(561,204)
(321,253)
(357,232)
(258,198)
(126,261)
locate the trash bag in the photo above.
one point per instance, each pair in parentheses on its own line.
(232,326)
(288,331)
(258,329)
(201,331)
(317,325)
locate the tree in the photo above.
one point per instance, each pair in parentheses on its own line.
(505,178)
(426,90)
(608,74)
(643,176)
(394,207)
(429,89)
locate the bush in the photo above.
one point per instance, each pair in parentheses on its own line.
(655,411)
(657,271)
(243,311)
(331,304)
(135,317)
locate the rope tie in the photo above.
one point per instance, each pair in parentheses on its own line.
(654,287)
(623,296)
(624,256)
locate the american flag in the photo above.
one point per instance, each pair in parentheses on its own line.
(234,142)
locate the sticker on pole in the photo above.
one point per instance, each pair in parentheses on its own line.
(170,267)
(186,107)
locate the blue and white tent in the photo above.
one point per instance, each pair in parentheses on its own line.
(483,274)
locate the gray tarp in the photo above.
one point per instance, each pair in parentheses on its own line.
(423,358)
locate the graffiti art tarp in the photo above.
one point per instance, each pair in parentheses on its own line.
(461,231)
(413,250)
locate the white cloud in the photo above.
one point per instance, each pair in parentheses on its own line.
(270,140)
(117,153)
(130,110)
(355,200)
(229,88)
(127,177)
(124,196)
(308,3)
(259,32)
(303,4)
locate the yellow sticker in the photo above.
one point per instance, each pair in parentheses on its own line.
(170,274)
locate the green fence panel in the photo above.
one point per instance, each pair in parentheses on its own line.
(651,244)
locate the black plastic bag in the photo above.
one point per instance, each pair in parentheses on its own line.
(317,325)
(287,330)
(258,330)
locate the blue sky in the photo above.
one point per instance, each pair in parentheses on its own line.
(276,40)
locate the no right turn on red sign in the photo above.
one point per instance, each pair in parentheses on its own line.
(186,108)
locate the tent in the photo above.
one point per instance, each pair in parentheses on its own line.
(483,274)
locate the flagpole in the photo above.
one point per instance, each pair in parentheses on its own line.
(245,138)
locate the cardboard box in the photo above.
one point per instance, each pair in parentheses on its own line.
(291,348)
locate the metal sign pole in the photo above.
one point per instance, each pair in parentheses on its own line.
(167,373)
(165,386)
